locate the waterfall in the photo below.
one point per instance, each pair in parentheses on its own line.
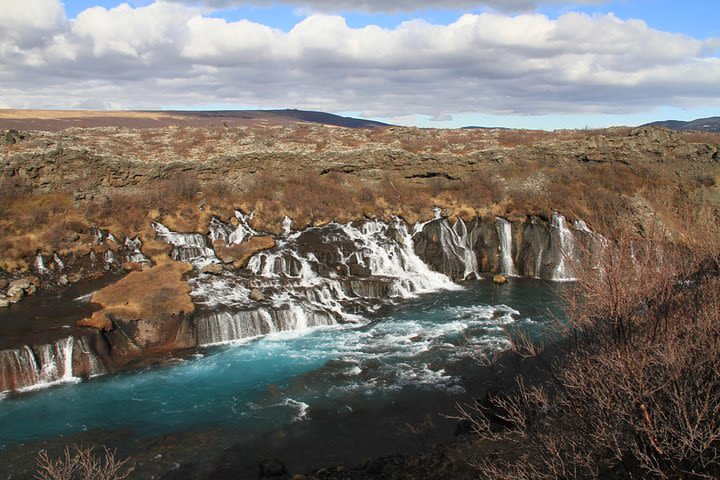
(135,255)
(457,255)
(286,226)
(30,368)
(563,243)
(99,235)
(304,284)
(58,261)
(18,369)
(220,230)
(40,264)
(504,232)
(225,326)
(581,226)
(394,258)
(187,247)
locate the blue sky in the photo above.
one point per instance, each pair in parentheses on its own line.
(693,17)
(511,79)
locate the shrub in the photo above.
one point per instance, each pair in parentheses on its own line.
(705,180)
(633,389)
(80,463)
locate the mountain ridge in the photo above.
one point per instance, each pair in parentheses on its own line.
(708,124)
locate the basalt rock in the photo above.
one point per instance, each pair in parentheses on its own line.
(239,254)
(256,295)
(213,269)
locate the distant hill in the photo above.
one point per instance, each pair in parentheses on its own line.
(711,124)
(55,120)
(289,115)
(475,127)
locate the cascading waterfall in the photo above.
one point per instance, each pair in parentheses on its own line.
(563,247)
(459,258)
(187,247)
(40,264)
(58,262)
(538,245)
(394,258)
(134,254)
(298,295)
(29,368)
(504,232)
(286,226)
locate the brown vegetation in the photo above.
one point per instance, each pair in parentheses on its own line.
(632,389)
(155,293)
(82,463)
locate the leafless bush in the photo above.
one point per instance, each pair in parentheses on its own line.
(705,180)
(80,463)
(182,186)
(634,387)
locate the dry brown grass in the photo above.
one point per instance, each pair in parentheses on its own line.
(700,137)
(156,293)
(514,138)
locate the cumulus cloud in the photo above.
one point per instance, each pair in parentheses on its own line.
(26,23)
(386,6)
(493,63)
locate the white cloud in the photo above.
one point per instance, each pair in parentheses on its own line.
(389,6)
(28,23)
(170,54)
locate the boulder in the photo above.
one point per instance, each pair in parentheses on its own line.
(12,137)
(4,301)
(63,280)
(500,280)
(256,295)
(21,284)
(3,284)
(212,268)
(14,295)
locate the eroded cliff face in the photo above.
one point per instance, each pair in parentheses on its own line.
(644,176)
(199,295)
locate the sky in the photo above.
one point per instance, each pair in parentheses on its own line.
(429,63)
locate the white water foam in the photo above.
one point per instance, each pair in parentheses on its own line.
(565,248)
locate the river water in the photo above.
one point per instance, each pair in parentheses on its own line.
(316,397)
